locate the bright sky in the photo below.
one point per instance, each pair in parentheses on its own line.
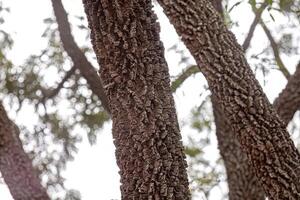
(94,172)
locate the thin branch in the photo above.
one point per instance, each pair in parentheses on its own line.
(79,59)
(55,91)
(256,20)
(194,69)
(275,49)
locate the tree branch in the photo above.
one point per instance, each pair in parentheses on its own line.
(194,69)
(55,91)
(241,180)
(288,101)
(275,49)
(79,59)
(15,165)
(254,121)
(256,20)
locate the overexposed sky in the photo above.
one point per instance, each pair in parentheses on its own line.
(94,171)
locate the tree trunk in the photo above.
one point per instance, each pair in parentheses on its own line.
(15,165)
(149,151)
(261,133)
(241,180)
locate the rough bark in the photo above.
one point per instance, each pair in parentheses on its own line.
(79,59)
(149,151)
(288,101)
(260,131)
(241,180)
(15,165)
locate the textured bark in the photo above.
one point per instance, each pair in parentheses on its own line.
(125,37)
(261,133)
(288,101)
(241,180)
(15,165)
(79,59)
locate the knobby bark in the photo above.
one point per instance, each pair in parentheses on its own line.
(149,151)
(79,59)
(15,165)
(241,180)
(288,101)
(261,133)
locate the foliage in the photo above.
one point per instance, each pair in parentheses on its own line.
(61,114)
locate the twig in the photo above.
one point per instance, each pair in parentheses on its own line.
(256,20)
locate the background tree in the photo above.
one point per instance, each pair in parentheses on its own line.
(15,165)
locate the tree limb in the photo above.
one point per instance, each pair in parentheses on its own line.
(15,165)
(55,91)
(288,101)
(79,59)
(256,20)
(275,49)
(260,131)
(194,69)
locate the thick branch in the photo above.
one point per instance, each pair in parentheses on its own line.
(288,101)
(79,59)
(260,131)
(241,180)
(15,165)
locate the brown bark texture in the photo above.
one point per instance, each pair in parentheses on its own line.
(261,133)
(77,56)
(15,165)
(288,101)
(241,180)
(149,151)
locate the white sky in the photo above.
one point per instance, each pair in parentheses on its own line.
(94,172)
